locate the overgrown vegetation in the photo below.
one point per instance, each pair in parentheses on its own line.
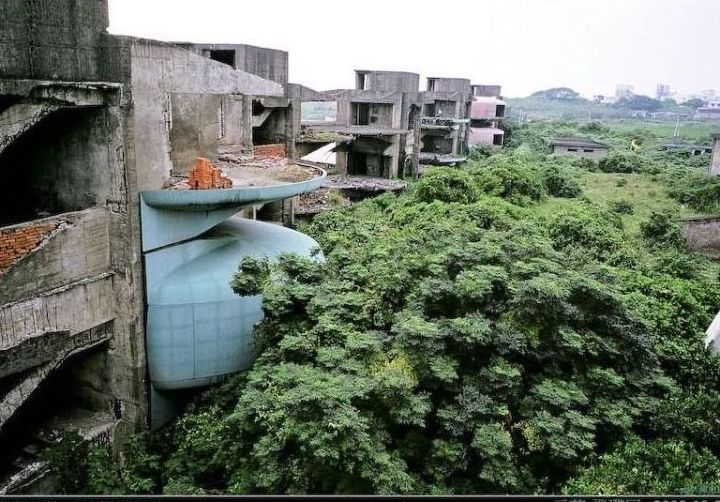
(522,324)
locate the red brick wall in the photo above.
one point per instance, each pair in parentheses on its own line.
(274,150)
(204,175)
(18,242)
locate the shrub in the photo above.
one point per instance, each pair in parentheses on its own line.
(658,467)
(446,185)
(661,227)
(619,162)
(621,207)
(559,182)
(516,180)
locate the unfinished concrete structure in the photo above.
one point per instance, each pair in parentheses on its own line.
(488,109)
(88,123)
(379,117)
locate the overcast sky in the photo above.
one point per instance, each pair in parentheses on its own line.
(524,45)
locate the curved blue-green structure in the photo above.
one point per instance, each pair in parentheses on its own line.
(198,330)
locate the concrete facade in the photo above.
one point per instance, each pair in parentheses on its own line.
(703,235)
(379,116)
(486,113)
(88,120)
(579,147)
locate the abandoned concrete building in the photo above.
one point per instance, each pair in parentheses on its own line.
(488,110)
(103,311)
(137,174)
(579,147)
(377,121)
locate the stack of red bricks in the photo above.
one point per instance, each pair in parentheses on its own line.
(204,176)
(274,150)
(18,242)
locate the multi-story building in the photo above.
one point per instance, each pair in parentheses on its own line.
(105,247)
(487,110)
(378,119)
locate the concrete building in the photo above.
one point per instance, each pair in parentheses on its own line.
(579,147)
(93,130)
(715,162)
(379,116)
(487,110)
(710,111)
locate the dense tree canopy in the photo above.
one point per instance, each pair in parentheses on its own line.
(461,338)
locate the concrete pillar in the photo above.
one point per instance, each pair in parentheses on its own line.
(715,163)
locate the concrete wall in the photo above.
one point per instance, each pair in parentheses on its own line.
(703,235)
(491,91)
(597,153)
(715,162)
(449,85)
(76,248)
(195,129)
(57,40)
(270,64)
(387,81)
(484,135)
(159,69)
(61,164)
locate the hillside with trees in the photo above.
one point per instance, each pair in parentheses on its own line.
(525,323)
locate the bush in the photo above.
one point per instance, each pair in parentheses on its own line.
(649,468)
(621,207)
(559,182)
(661,227)
(515,179)
(446,185)
(698,190)
(617,162)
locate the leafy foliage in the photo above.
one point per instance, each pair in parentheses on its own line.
(461,339)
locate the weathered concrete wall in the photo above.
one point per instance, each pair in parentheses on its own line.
(16,242)
(72,308)
(160,69)
(703,235)
(388,81)
(56,39)
(236,119)
(715,162)
(442,84)
(78,248)
(491,91)
(61,164)
(195,129)
(270,64)
(597,153)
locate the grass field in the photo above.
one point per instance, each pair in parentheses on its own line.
(700,132)
(643,192)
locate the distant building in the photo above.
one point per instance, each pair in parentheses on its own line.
(580,147)
(686,148)
(715,162)
(486,112)
(711,111)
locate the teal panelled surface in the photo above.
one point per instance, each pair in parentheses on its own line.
(198,329)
